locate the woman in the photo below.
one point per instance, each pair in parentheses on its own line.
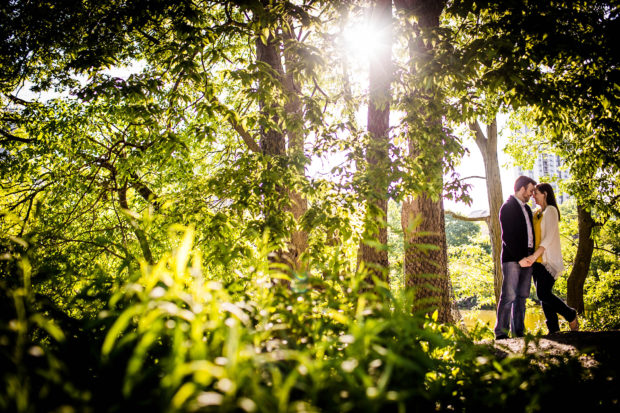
(547,260)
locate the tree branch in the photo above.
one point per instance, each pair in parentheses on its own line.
(481,140)
(606,250)
(21,232)
(144,245)
(148,36)
(17,100)
(247,138)
(464,218)
(12,138)
(145,191)
(135,183)
(96,244)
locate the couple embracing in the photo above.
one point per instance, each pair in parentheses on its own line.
(530,249)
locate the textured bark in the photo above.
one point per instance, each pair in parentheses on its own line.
(375,224)
(272,141)
(426,270)
(426,259)
(375,228)
(488,149)
(585,248)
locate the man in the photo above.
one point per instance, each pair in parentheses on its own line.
(515,218)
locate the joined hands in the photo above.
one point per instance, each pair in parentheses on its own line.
(527,261)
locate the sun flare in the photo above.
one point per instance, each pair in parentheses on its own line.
(362,41)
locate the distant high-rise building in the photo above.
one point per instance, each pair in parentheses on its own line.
(547,166)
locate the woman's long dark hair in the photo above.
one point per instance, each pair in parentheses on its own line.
(548,189)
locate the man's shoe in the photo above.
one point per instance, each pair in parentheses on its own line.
(501,337)
(574,325)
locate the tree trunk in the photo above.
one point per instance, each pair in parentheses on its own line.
(272,144)
(585,248)
(488,149)
(294,130)
(422,217)
(373,256)
(272,141)
(426,260)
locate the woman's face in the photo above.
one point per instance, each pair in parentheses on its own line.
(539,197)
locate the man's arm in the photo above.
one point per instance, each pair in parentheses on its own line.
(509,222)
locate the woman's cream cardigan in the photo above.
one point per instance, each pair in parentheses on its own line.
(550,240)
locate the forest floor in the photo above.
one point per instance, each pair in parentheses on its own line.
(593,387)
(593,348)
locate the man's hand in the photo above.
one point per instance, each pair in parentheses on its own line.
(526,262)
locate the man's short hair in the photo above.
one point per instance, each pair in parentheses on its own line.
(523,181)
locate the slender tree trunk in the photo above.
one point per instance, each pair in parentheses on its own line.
(299,204)
(375,224)
(343,16)
(585,248)
(488,149)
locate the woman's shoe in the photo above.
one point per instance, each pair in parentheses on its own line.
(574,325)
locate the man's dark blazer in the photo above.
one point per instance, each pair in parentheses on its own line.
(514,230)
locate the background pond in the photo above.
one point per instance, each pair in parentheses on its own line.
(534,319)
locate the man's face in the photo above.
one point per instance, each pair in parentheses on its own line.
(529,191)
(526,192)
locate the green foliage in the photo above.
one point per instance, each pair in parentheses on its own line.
(602,299)
(600,289)
(110,303)
(396,246)
(552,62)
(178,338)
(267,347)
(459,232)
(33,374)
(471,272)
(602,285)
(470,264)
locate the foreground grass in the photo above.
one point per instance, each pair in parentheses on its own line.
(176,338)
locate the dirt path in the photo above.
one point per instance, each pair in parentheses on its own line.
(594,348)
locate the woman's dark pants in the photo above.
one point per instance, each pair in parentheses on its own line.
(552,305)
